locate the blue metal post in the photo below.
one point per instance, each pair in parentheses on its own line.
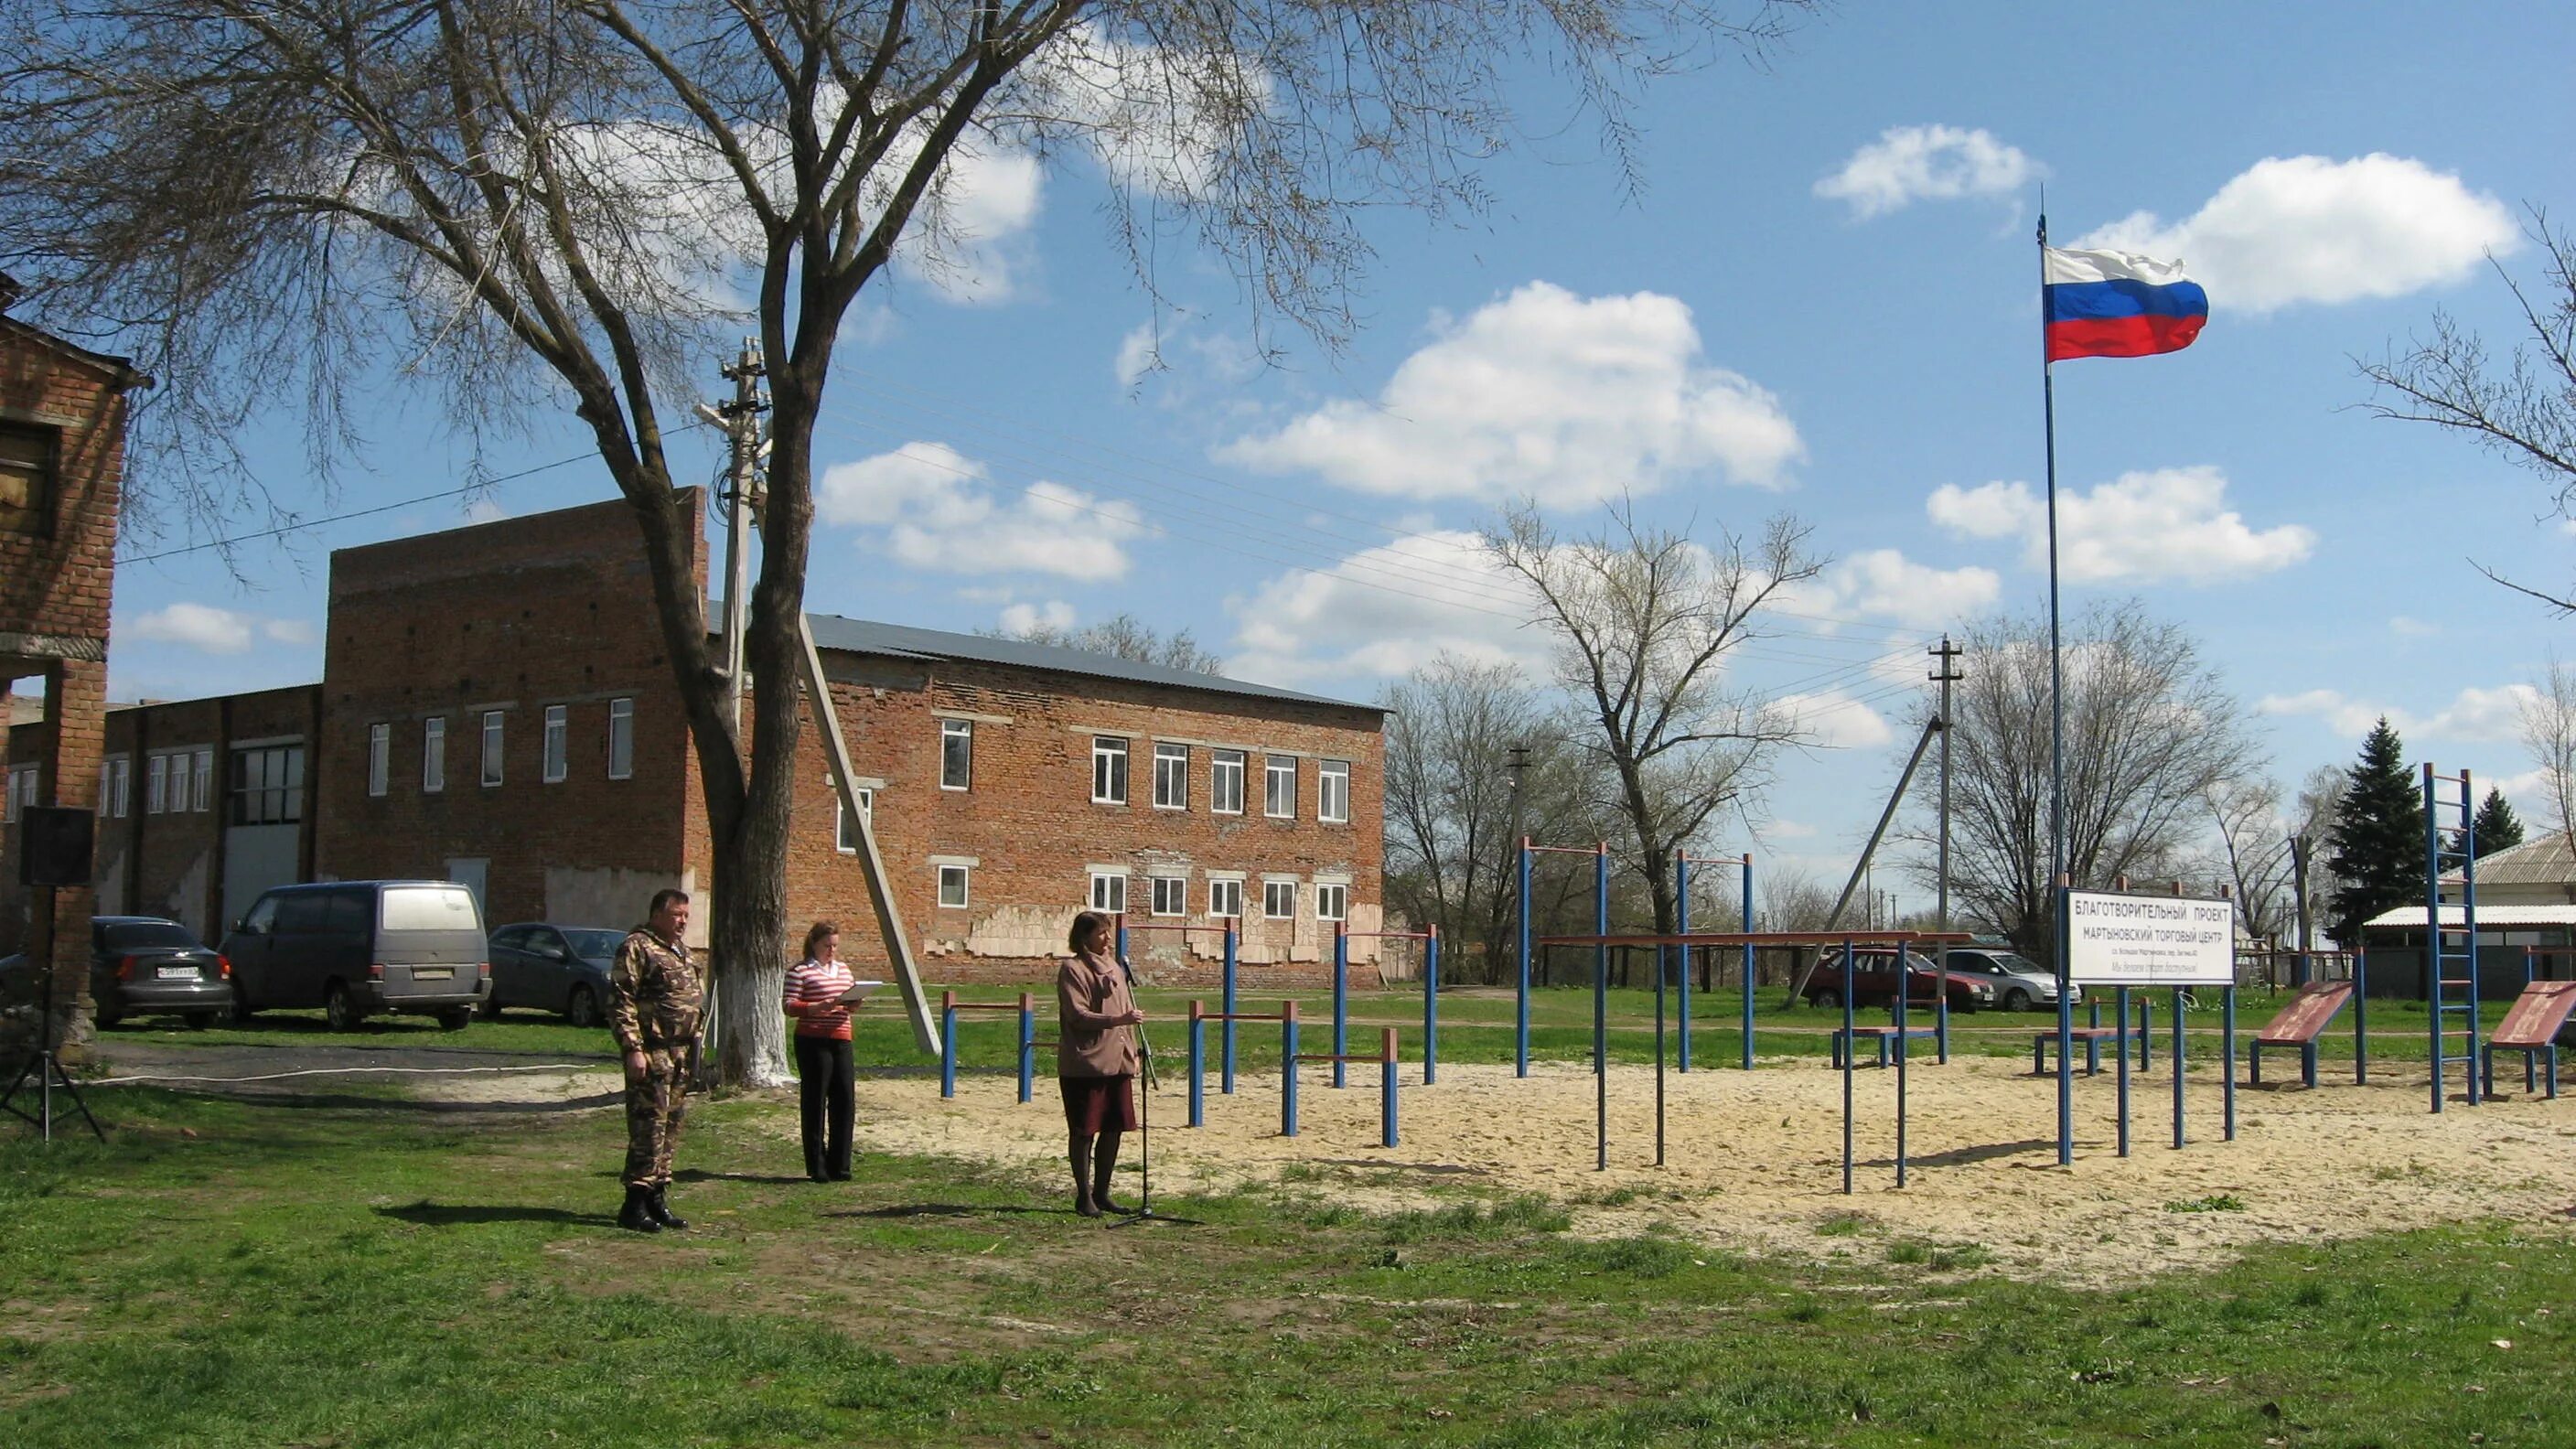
(1681,893)
(1520,1017)
(2468,854)
(2177,1065)
(1225,1032)
(1941,987)
(2146,1032)
(1198,1065)
(1748,962)
(2065,982)
(948,1044)
(2121,997)
(1386,1086)
(2360,1016)
(1430,1006)
(1122,936)
(1848,1054)
(2433,928)
(1288,1067)
(1028,1044)
(1601,1009)
(2227,1053)
(1341,1000)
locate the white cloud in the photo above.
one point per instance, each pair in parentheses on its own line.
(2145,527)
(1907,164)
(1159,120)
(2475,715)
(1568,399)
(973,243)
(939,510)
(1054,616)
(1385,611)
(1834,720)
(211,630)
(2307,229)
(1179,346)
(1884,583)
(1138,354)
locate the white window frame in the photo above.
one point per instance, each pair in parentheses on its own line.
(965,878)
(22,790)
(1108,757)
(1109,891)
(1171,776)
(1338,893)
(957,729)
(1171,895)
(1222,763)
(621,738)
(842,839)
(556,756)
(1225,899)
(433,755)
(495,746)
(116,785)
(201,790)
(156,784)
(1271,794)
(1333,805)
(380,759)
(1268,901)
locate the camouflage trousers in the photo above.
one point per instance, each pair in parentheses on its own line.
(655,1102)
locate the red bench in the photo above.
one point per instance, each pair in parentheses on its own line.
(2299,1024)
(2530,1027)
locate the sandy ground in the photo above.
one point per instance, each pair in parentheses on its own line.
(1754,1161)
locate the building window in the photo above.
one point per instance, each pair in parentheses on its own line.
(1279,900)
(156,783)
(492,747)
(621,739)
(380,758)
(26,480)
(1332,902)
(845,828)
(1333,791)
(115,784)
(558,740)
(952,886)
(1171,777)
(1225,782)
(201,791)
(22,789)
(1108,770)
(1279,787)
(1171,895)
(1225,898)
(956,754)
(433,755)
(1109,891)
(268,785)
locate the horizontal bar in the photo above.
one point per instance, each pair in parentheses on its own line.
(1135,926)
(1563,849)
(1339,1057)
(984,1006)
(1389,935)
(1767,938)
(1240,1016)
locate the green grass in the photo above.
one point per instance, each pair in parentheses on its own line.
(225,1274)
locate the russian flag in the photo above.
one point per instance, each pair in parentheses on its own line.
(2117,304)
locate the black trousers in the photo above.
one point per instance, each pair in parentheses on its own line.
(824,1078)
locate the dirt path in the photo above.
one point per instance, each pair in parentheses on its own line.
(478,1077)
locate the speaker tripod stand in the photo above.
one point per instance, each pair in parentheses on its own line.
(44,1065)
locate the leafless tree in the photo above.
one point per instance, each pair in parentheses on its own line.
(2549,732)
(1124,636)
(2253,849)
(546,209)
(2312,822)
(2524,409)
(1645,621)
(2150,730)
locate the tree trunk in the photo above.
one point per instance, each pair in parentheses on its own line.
(746,958)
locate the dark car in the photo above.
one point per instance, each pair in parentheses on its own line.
(147,966)
(357,948)
(1874,981)
(554,968)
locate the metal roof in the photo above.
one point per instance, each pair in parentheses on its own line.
(902,641)
(2544,860)
(2498,917)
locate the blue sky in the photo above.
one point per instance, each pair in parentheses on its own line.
(1821,301)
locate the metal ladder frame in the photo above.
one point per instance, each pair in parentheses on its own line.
(2435,957)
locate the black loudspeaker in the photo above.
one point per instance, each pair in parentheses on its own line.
(53,846)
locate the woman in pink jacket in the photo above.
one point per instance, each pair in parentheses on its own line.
(1095,1059)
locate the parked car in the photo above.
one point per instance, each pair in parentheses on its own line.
(358,948)
(554,968)
(2020,983)
(1874,981)
(146,966)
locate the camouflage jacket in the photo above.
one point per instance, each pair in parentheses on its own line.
(654,993)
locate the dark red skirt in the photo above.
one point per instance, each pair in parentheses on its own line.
(1093,1105)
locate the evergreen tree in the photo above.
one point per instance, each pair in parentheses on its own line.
(2497,827)
(2378,837)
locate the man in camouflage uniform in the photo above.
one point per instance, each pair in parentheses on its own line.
(654,1004)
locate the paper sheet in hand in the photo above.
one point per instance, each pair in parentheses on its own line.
(857,993)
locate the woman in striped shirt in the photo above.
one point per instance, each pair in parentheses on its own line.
(823,1064)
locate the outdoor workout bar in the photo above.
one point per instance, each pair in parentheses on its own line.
(1385,1059)
(1429,936)
(1200,1016)
(1601,922)
(949,1006)
(1225,1048)
(1681,892)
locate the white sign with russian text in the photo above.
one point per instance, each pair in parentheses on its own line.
(2122,940)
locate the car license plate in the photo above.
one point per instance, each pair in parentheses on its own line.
(432,973)
(178,973)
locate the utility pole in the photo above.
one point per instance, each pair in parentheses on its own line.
(1516,764)
(740,420)
(1945,675)
(2299,847)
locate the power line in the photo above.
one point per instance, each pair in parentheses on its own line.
(303,524)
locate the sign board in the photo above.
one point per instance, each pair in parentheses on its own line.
(2122,940)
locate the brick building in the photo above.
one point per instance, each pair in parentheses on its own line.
(496,708)
(62,463)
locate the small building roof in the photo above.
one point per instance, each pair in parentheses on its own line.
(2544,860)
(903,641)
(2498,917)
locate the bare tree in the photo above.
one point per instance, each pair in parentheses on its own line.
(2150,730)
(2312,824)
(2523,410)
(2549,731)
(552,210)
(1124,636)
(2253,848)
(1644,621)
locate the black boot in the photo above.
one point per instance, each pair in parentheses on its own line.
(1104,1164)
(655,1204)
(637,1215)
(1082,1202)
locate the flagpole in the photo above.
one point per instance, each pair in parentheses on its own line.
(2057,872)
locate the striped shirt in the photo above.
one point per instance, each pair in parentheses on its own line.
(812,987)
